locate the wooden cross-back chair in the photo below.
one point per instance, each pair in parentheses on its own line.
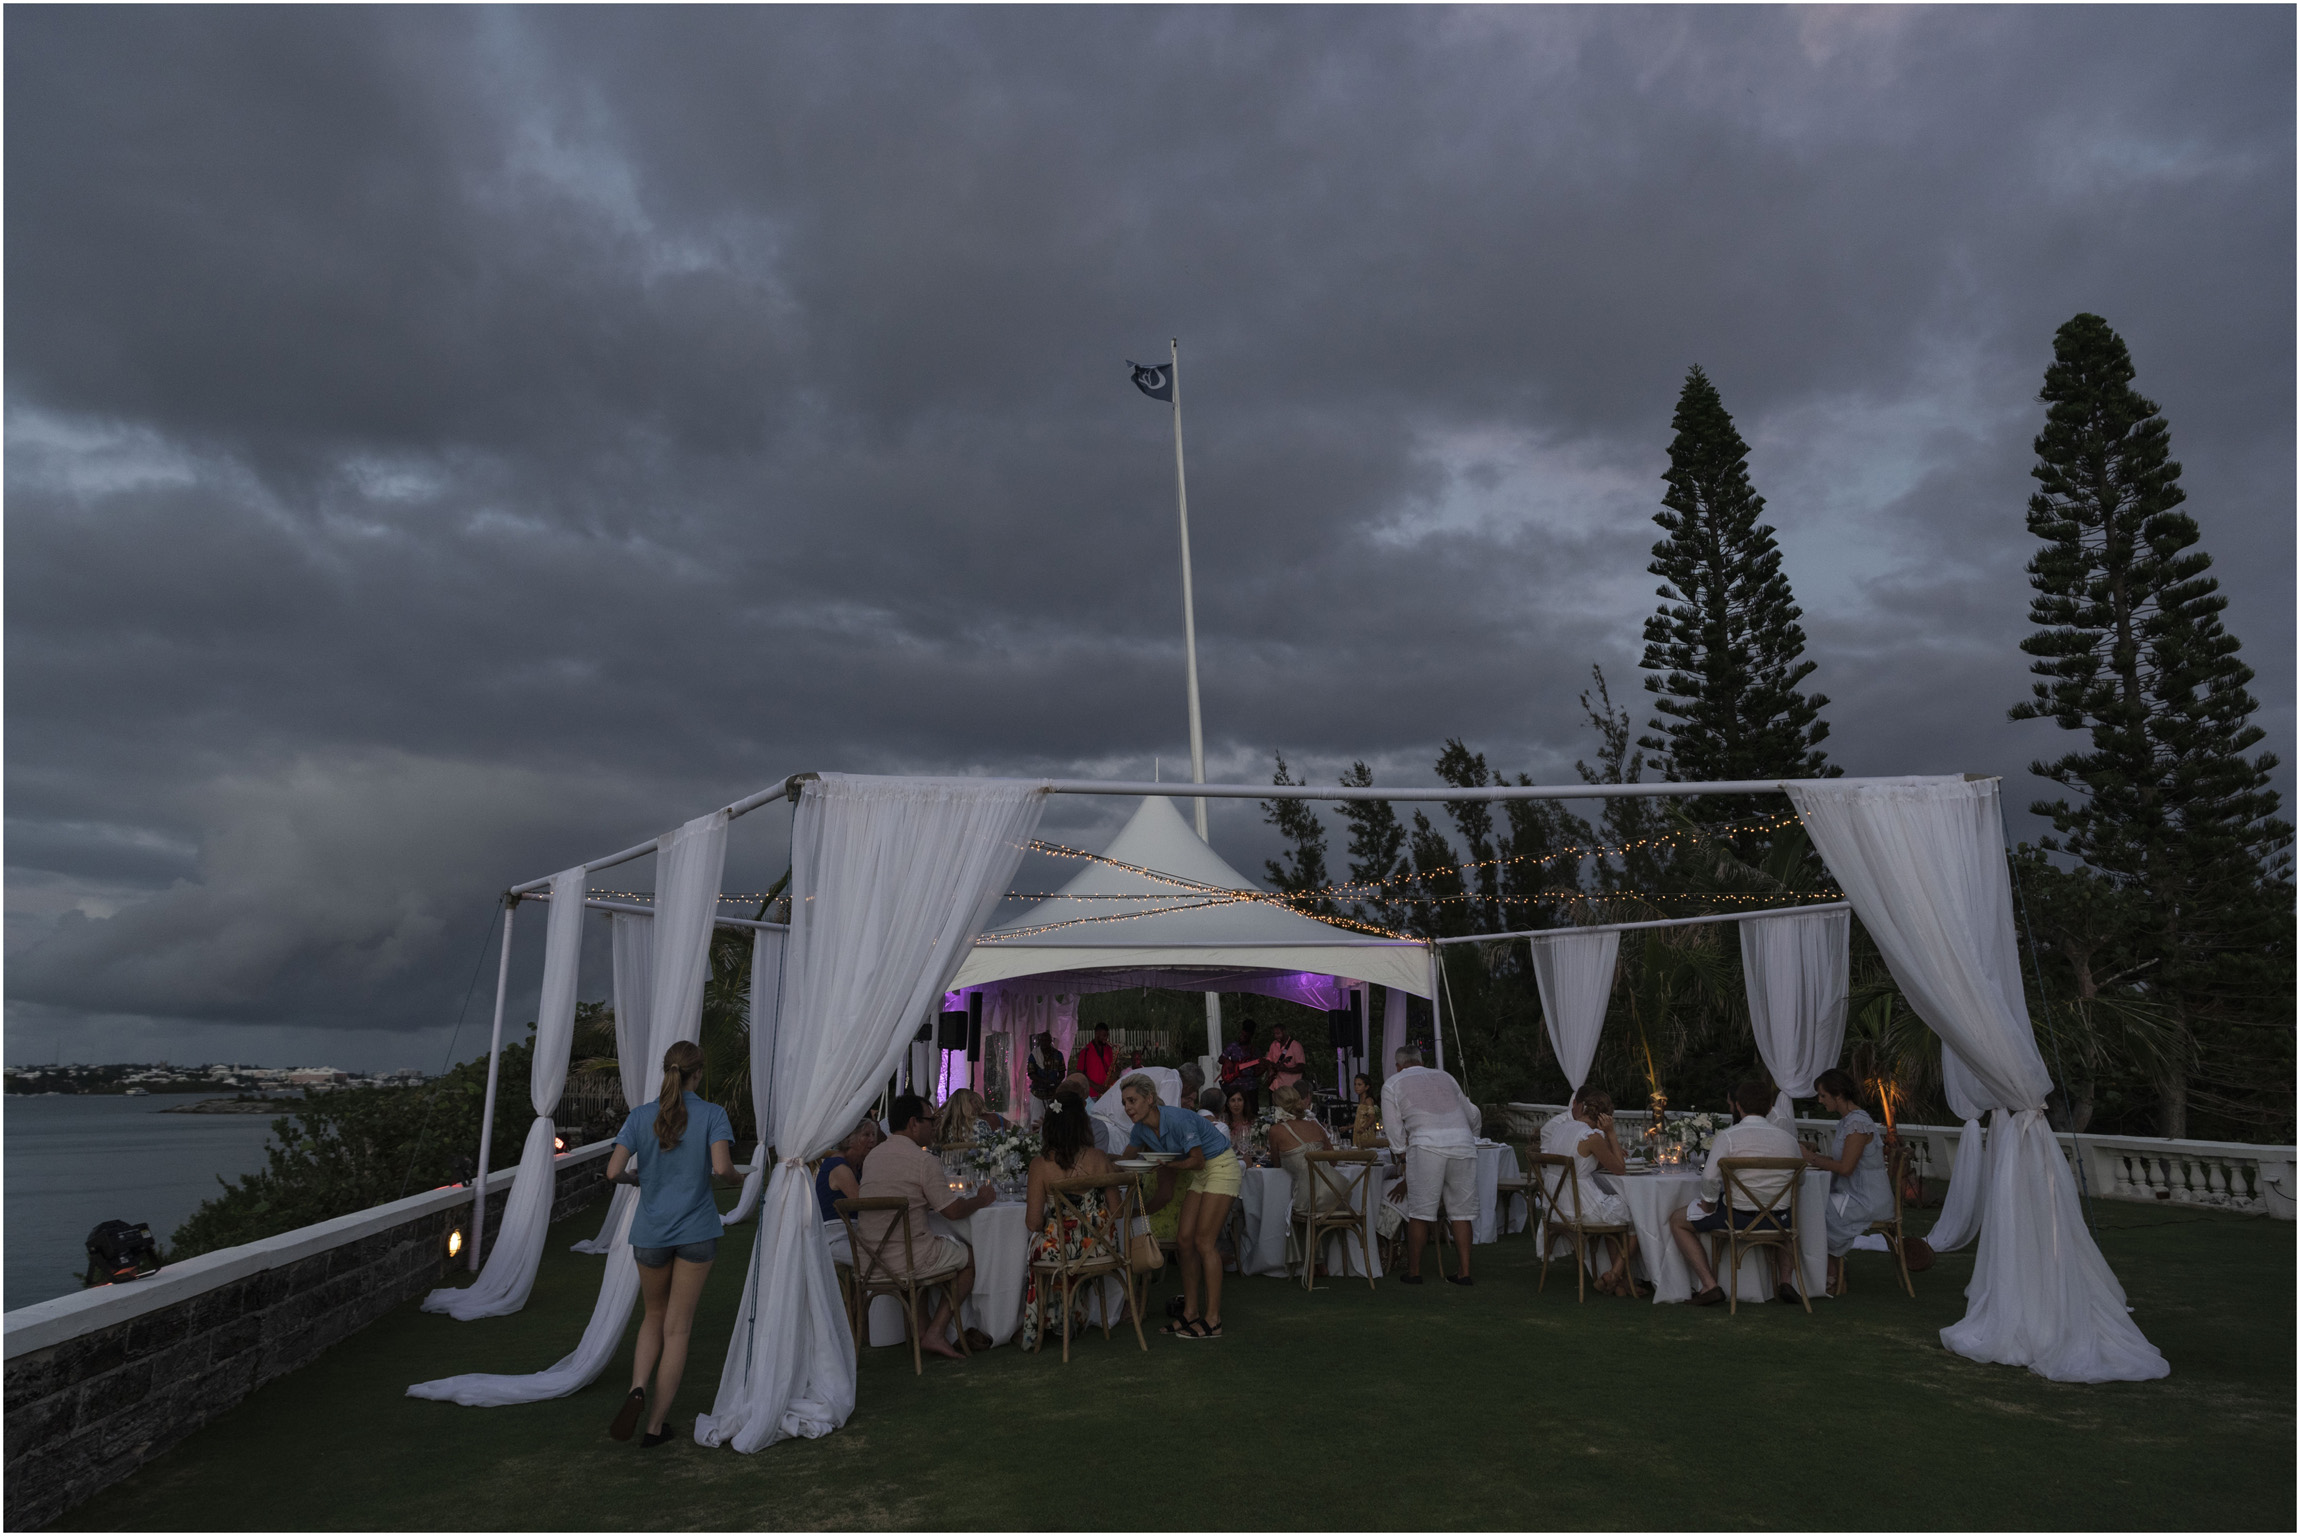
(1773,1216)
(1897,1156)
(876,1274)
(1054,1271)
(1509,1185)
(1342,1197)
(1561,1196)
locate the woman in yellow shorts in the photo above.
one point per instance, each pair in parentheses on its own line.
(1210,1176)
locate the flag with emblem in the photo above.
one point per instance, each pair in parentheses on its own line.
(1154,379)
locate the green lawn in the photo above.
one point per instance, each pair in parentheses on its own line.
(1394,1408)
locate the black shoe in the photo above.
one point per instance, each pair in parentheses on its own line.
(1710,1297)
(1460,1280)
(627,1417)
(1175,1307)
(657,1436)
(1788,1293)
(1409,1279)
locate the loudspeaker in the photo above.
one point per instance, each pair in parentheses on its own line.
(950,1030)
(1343,1030)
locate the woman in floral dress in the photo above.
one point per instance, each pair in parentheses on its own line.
(1068,1152)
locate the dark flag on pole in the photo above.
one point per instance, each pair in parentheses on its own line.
(1154,379)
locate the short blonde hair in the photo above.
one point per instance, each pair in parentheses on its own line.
(1142,1083)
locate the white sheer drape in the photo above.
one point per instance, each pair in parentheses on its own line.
(1795,971)
(509,1274)
(1960,1219)
(633,946)
(1574,972)
(688,864)
(766,1006)
(1393,1032)
(1923,862)
(892,879)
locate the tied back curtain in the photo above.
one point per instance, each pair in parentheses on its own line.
(1923,862)
(688,864)
(1574,972)
(891,880)
(1795,970)
(766,1008)
(634,955)
(1960,1219)
(509,1274)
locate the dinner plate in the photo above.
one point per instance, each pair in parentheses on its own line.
(1161,1157)
(1135,1163)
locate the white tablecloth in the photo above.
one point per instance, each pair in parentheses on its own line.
(1001,1266)
(1651,1197)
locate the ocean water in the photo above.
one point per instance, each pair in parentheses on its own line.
(78,1159)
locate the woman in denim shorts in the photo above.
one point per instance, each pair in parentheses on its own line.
(670,1149)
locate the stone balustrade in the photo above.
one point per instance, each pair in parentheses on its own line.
(2219,1175)
(103,1380)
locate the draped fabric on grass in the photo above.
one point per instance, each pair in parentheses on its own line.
(766,1005)
(634,954)
(1960,1218)
(509,1275)
(1795,969)
(688,864)
(1574,972)
(1923,862)
(891,880)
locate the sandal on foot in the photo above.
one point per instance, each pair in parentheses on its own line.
(627,1417)
(1180,1327)
(1201,1329)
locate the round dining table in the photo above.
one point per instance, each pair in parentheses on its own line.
(1001,1248)
(1651,1194)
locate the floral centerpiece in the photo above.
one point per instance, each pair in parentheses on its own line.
(1692,1134)
(1260,1138)
(1002,1156)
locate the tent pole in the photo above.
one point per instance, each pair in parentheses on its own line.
(1190,659)
(1437,1024)
(487,1108)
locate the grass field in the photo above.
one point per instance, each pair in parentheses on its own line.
(1485,1407)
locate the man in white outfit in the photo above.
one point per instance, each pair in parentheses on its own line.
(1432,1124)
(1752,1135)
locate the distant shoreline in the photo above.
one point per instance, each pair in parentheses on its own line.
(230,1107)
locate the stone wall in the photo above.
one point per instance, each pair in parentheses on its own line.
(112,1391)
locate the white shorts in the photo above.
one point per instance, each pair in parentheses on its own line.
(1432,1172)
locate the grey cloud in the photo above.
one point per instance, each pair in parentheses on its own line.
(505,433)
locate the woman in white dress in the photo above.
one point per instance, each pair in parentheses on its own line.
(1860,1191)
(1293,1137)
(1585,1134)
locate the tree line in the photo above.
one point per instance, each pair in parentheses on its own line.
(2156,917)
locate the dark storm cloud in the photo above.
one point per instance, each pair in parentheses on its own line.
(445,443)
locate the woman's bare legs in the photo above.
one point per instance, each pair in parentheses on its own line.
(686,1289)
(1195,1234)
(655,1292)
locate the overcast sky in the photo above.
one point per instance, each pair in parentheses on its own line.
(445,444)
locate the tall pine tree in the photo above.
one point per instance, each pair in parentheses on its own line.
(1302,877)
(1378,864)
(2130,649)
(1724,653)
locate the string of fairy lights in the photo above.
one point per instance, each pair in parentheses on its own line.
(1303,902)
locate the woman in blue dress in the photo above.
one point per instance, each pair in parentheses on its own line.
(1859,1191)
(670,1149)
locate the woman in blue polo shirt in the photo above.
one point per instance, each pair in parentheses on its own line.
(670,1149)
(1210,1175)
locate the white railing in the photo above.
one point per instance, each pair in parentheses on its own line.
(2219,1175)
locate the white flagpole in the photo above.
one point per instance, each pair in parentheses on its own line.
(1190,655)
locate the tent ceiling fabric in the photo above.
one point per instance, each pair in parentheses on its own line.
(1160,926)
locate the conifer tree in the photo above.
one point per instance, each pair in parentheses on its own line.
(1377,853)
(2130,649)
(1724,653)
(1303,875)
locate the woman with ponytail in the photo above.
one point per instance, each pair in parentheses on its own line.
(670,1149)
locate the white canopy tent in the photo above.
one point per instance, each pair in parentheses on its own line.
(894,879)
(1159,908)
